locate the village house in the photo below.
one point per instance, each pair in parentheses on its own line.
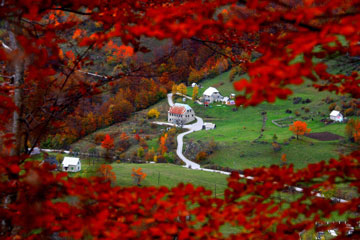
(211,95)
(180,114)
(336,116)
(71,164)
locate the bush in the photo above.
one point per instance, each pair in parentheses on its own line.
(338,108)
(276,146)
(306,110)
(59,157)
(349,112)
(332,106)
(201,156)
(297,113)
(153,113)
(99,137)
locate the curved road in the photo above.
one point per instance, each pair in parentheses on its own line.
(179,150)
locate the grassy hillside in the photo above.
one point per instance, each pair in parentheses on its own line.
(236,130)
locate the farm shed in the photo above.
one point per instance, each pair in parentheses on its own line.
(336,116)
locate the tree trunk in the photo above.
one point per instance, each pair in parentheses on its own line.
(19,67)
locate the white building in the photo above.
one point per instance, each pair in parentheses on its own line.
(193,84)
(208,126)
(336,116)
(225,99)
(211,95)
(71,164)
(180,114)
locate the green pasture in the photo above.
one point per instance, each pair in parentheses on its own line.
(236,130)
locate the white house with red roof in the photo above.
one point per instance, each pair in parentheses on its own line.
(180,114)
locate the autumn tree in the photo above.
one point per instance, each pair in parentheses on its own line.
(140,152)
(108,145)
(299,128)
(174,89)
(153,113)
(106,172)
(195,93)
(138,175)
(352,130)
(181,88)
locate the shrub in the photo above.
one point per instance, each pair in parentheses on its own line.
(59,157)
(349,112)
(346,104)
(332,106)
(328,100)
(153,113)
(276,146)
(338,108)
(275,138)
(201,156)
(140,152)
(306,110)
(99,137)
(297,113)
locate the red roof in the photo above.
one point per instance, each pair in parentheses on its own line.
(177,110)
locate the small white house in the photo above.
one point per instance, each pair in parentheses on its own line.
(193,84)
(336,116)
(211,95)
(71,164)
(232,95)
(180,114)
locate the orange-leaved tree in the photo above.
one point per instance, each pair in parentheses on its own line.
(299,128)
(138,175)
(106,172)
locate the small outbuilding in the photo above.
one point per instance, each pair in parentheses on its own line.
(208,126)
(193,84)
(71,164)
(336,116)
(232,95)
(225,99)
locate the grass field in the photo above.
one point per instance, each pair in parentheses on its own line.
(235,130)
(160,174)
